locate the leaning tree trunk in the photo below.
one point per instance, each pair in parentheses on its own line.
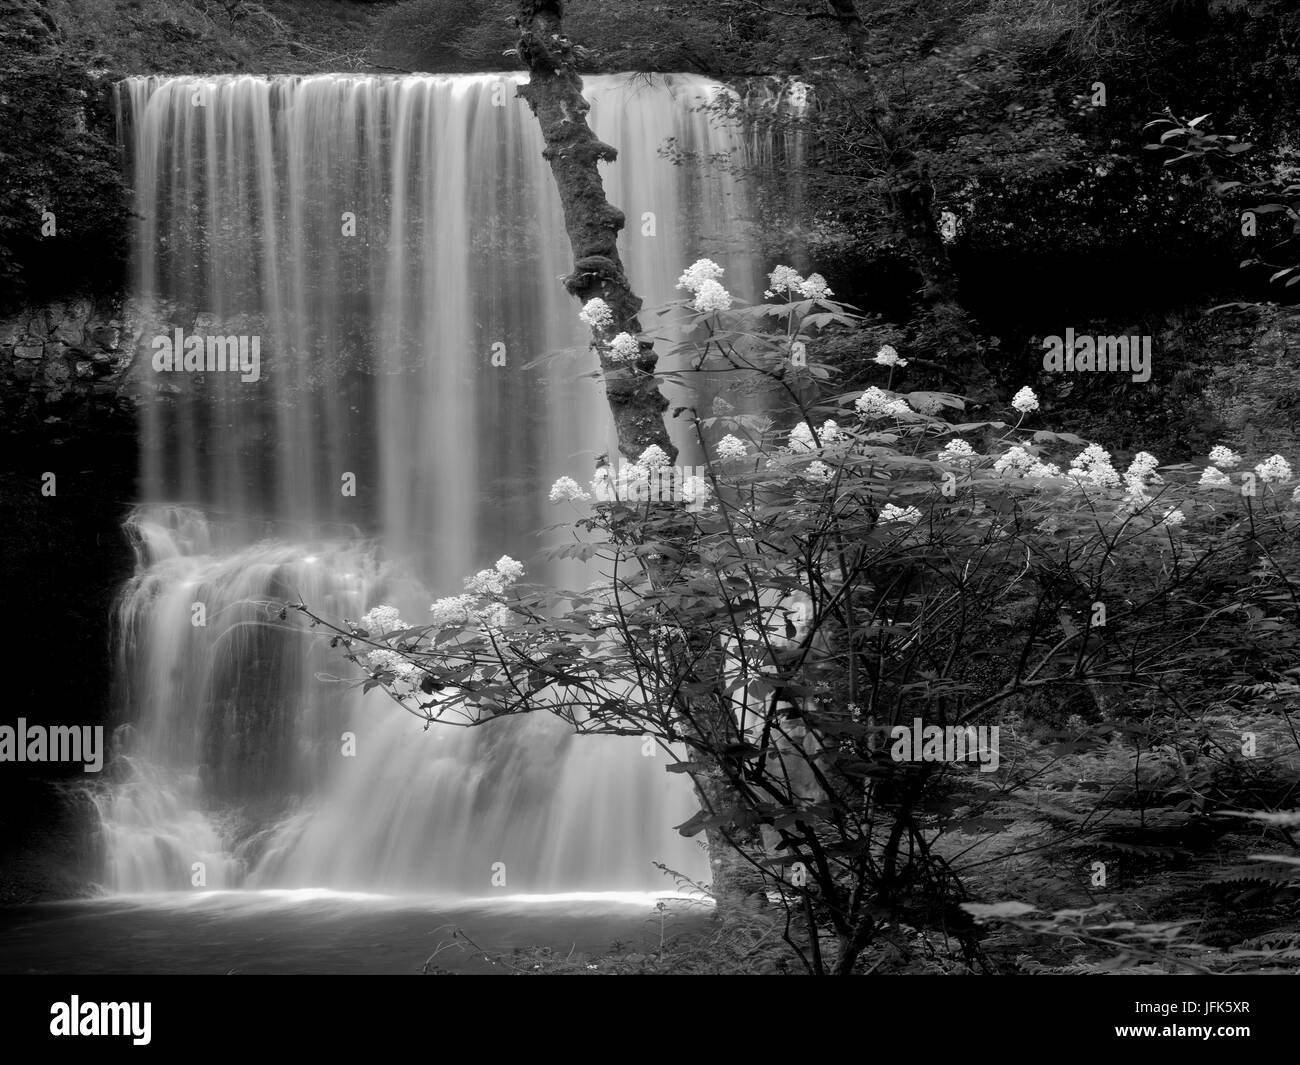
(554,93)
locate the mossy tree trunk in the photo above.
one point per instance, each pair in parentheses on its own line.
(574,152)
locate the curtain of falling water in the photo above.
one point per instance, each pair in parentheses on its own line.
(383,238)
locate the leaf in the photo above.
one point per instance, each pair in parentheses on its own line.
(990,911)
(1290,818)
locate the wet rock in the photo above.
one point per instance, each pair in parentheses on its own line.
(107,337)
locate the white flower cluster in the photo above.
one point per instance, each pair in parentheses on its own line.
(910,515)
(624,348)
(653,457)
(1025,401)
(632,480)
(815,288)
(702,281)
(877,403)
(887,356)
(379,622)
(1092,467)
(393,662)
(785,281)
(453,610)
(1141,474)
(597,314)
(566,490)
(730,448)
(703,270)
(382,620)
(1016,460)
(1274,468)
(695,489)
(496,580)
(711,296)
(801,436)
(958,450)
(818,472)
(1223,457)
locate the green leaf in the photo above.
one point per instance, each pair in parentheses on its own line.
(988,911)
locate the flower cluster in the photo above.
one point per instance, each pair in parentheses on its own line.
(818,472)
(597,314)
(496,580)
(801,436)
(887,356)
(909,515)
(453,610)
(624,348)
(566,490)
(1223,457)
(1025,401)
(701,280)
(1274,468)
(1140,475)
(877,403)
(1093,467)
(785,281)
(1019,462)
(711,296)
(730,448)
(653,457)
(392,662)
(703,270)
(378,623)
(382,620)
(958,450)
(815,288)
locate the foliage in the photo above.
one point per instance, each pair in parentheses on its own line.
(843,582)
(59,157)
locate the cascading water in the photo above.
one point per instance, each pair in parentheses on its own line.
(393,246)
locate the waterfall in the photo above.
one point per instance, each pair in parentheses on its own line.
(390,248)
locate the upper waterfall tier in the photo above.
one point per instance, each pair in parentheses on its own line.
(392,247)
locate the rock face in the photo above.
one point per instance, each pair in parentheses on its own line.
(1255,389)
(66,360)
(63,556)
